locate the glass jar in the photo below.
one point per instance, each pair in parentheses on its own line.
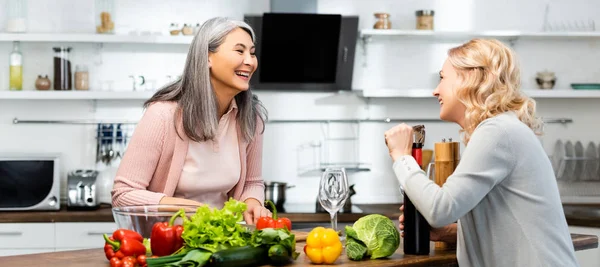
(424,19)
(16,16)
(105,16)
(187,29)
(82,80)
(62,68)
(174,29)
(383,21)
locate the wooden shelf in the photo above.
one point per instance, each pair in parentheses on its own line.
(95,38)
(75,95)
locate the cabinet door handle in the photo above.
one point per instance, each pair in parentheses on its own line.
(11,233)
(97,233)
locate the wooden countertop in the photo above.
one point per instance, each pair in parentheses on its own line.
(96,258)
(577,215)
(104,214)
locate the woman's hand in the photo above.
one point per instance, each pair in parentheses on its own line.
(443,234)
(254,211)
(399,140)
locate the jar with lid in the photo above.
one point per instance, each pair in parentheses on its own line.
(42,83)
(17,16)
(383,21)
(187,29)
(82,80)
(174,29)
(105,16)
(424,19)
(62,68)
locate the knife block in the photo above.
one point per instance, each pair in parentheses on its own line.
(447,157)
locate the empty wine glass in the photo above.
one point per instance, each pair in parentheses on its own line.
(333,192)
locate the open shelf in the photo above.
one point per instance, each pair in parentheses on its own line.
(95,38)
(75,95)
(482,34)
(426,93)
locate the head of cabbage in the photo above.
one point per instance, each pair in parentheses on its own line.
(373,236)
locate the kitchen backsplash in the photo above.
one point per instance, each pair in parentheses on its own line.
(289,147)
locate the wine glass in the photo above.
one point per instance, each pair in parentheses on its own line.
(333,192)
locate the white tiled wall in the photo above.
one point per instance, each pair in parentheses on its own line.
(389,62)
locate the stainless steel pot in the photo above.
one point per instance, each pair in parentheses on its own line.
(275,191)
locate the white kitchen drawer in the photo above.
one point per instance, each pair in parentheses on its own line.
(82,235)
(13,252)
(26,235)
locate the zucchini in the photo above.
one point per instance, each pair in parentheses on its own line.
(239,257)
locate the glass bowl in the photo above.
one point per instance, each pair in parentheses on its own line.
(142,218)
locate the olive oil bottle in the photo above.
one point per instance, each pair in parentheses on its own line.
(16,68)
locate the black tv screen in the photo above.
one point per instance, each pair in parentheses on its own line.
(299,48)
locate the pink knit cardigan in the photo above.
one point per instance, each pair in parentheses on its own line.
(152,165)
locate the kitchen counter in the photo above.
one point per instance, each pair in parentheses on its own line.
(587,215)
(295,212)
(96,258)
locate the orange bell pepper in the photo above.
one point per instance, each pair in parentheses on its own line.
(323,246)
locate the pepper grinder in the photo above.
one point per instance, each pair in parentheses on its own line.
(416,228)
(447,156)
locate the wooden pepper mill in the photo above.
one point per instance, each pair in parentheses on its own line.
(447,157)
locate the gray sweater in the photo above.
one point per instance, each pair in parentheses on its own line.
(504,195)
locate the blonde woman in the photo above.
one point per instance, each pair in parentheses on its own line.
(503,193)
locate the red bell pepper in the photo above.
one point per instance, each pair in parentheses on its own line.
(166,237)
(123,244)
(273,222)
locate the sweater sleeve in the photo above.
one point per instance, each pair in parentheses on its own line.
(254,186)
(487,160)
(140,161)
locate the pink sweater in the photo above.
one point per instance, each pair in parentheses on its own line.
(151,167)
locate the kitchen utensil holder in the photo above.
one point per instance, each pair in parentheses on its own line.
(111,141)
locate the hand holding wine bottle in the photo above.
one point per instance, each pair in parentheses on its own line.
(444,234)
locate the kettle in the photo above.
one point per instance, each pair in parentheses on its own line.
(347,206)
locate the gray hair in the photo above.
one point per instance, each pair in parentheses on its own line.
(194,93)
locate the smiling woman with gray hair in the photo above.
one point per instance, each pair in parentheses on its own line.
(200,138)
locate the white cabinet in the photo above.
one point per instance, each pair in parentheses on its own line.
(589,257)
(71,236)
(28,238)
(26,235)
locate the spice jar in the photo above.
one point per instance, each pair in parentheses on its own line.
(174,29)
(424,19)
(187,29)
(42,83)
(383,21)
(82,81)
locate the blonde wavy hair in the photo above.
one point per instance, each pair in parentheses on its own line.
(490,81)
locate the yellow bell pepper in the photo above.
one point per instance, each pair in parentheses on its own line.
(323,246)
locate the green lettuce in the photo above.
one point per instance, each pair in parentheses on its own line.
(212,229)
(373,236)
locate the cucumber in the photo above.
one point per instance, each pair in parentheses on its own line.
(279,255)
(245,256)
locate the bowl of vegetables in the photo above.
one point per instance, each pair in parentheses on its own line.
(142,219)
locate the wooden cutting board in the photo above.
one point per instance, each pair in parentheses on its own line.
(300,235)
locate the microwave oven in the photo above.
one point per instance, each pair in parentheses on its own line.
(29,182)
(304,52)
